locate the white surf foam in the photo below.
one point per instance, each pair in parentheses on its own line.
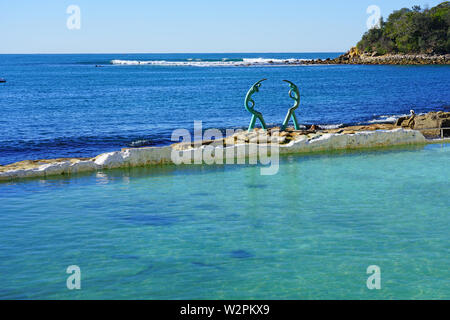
(387,119)
(390,118)
(330,126)
(203,63)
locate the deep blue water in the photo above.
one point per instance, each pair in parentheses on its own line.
(63,105)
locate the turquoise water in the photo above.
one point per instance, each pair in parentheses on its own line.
(226,232)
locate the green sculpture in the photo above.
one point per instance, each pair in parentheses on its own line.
(295,95)
(250,105)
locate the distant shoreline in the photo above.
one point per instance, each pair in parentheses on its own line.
(353,56)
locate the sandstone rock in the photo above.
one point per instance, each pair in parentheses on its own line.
(354,56)
(429,124)
(400,120)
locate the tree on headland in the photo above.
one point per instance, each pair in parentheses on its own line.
(414,30)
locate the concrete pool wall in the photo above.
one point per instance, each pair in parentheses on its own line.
(134,157)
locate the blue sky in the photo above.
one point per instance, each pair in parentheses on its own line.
(138,26)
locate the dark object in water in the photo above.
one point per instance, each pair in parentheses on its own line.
(241,254)
(98,66)
(256,185)
(124,256)
(2,80)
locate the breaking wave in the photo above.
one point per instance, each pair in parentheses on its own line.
(390,118)
(330,126)
(141,143)
(212,63)
(387,118)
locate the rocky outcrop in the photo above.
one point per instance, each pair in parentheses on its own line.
(432,124)
(354,56)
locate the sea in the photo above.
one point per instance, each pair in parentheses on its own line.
(362,224)
(81,105)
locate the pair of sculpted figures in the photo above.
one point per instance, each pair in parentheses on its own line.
(250,106)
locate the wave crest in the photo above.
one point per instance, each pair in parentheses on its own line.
(212,63)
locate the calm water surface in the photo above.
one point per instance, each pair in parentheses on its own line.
(226,232)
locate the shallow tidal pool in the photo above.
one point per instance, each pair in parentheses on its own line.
(227,232)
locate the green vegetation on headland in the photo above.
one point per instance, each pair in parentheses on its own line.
(408,37)
(410,31)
